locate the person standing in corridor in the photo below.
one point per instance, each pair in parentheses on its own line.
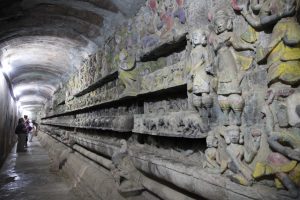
(28,127)
(21,131)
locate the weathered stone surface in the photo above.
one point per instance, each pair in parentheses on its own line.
(197,95)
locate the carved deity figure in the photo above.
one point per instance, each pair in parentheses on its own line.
(198,78)
(128,73)
(261,13)
(283,51)
(215,154)
(229,75)
(235,149)
(285,141)
(286,172)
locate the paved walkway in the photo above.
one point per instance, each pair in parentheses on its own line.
(26,176)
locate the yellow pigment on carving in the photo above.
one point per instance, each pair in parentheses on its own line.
(278,184)
(250,35)
(259,170)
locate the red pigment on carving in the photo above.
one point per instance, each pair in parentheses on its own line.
(235,5)
(153,4)
(180,2)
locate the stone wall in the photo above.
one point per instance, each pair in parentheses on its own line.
(8,119)
(201,97)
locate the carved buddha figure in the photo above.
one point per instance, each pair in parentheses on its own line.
(198,79)
(229,76)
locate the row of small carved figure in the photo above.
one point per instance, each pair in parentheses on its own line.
(164,106)
(122,123)
(123,110)
(180,124)
(167,77)
(87,73)
(160,79)
(94,97)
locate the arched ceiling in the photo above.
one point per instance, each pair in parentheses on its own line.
(42,42)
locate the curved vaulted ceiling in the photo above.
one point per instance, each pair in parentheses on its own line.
(43,41)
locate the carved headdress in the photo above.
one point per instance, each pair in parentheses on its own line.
(222,15)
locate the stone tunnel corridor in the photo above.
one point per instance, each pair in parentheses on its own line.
(150,99)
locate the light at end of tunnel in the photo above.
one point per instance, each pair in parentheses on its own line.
(18,103)
(6,69)
(17,92)
(19,107)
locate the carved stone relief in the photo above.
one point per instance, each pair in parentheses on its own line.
(221,76)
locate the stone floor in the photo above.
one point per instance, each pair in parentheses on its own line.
(26,176)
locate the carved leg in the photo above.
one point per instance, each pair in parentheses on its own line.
(284,150)
(225,106)
(237,104)
(288,183)
(207,102)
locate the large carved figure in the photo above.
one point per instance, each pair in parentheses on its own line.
(284,162)
(198,78)
(283,53)
(283,50)
(128,73)
(285,141)
(229,75)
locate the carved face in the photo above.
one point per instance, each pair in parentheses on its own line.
(220,25)
(211,141)
(232,136)
(199,37)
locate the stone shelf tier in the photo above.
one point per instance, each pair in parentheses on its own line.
(176,88)
(98,83)
(164,48)
(87,127)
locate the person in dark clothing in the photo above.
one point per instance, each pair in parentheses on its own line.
(28,127)
(21,131)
